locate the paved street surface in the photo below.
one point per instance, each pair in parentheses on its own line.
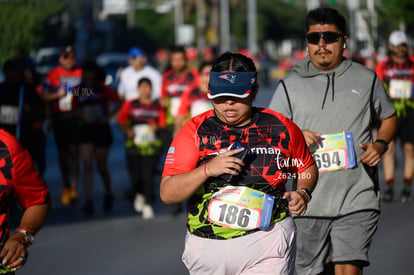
(123,243)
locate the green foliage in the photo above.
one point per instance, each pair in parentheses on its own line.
(152,30)
(394,12)
(238,27)
(21,25)
(281,20)
(276,20)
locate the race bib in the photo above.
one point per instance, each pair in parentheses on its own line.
(401,89)
(200,106)
(65,103)
(69,83)
(335,152)
(174,105)
(143,134)
(9,114)
(242,208)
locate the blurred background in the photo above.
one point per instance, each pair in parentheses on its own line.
(271,31)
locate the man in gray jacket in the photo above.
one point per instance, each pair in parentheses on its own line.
(335,102)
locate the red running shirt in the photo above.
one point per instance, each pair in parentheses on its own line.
(58,77)
(391,74)
(194,102)
(134,112)
(276,152)
(388,69)
(274,142)
(19,180)
(173,86)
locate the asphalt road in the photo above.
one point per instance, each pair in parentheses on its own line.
(123,243)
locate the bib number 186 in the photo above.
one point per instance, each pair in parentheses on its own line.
(233,215)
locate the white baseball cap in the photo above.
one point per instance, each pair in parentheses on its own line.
(397,38)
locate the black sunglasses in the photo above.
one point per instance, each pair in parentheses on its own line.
(328,37)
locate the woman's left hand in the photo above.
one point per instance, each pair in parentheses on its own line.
(14,252)
(298,203)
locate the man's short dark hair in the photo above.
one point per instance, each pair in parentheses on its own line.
(321,16)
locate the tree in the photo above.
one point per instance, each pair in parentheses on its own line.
(281,20)
(392,13)
(21,24)
(157,29)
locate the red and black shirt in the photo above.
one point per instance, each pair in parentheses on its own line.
(276,148)
(19,180)
(134,112)
(144,120)
(194,102)
(388,71)
(173,86)
(59,77)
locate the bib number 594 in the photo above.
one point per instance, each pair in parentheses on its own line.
(330,159)
(327,160)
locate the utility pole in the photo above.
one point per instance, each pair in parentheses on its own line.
(224,26)
(353,5)
(201,24)
(178,19)
(130,14)
(374,24)
(251,27)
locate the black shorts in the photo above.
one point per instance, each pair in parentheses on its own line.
(64,130)
(100,135)
(405,129)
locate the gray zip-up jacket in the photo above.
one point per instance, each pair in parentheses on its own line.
(349,98)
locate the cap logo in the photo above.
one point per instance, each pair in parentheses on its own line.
(229,77)
(235,84)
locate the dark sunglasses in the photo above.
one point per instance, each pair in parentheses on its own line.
(328,37)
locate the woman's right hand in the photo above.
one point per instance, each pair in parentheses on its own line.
(225,163)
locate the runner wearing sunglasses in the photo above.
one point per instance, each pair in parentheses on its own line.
(327,95)
(328,37)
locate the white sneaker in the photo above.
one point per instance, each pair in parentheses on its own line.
(147,212)
(139,202)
